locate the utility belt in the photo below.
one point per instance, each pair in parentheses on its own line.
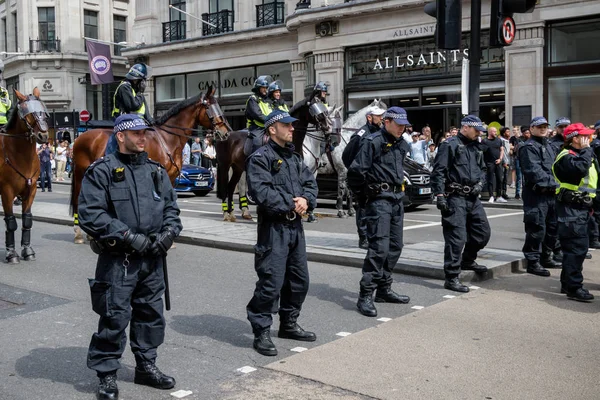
(575,198)
(542,190)
(290,218)
(374,189)
(112,247)
(458,189)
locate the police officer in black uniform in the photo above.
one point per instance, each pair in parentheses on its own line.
(576,171)
(558,140)
(121,196)
(457,178)
(377,174)
(283,189)
(536,157)
(374,118)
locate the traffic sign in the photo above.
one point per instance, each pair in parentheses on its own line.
(509,30)
(84,115)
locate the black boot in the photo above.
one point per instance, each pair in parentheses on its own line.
(588,256)
(580,294)
(365,305)
(473,266)
(455,285)
(595,244)
(291,330)
(387,295)
(363,243)
(535,268)
(107,388)
(548,262)
(558,256)
(263,343)
(147,373)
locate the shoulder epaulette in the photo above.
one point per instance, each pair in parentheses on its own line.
(151,161)
(93,165)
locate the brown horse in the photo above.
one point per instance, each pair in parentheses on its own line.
(164,145)
(20,168)
(230,154)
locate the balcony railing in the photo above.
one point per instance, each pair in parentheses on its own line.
(36,46)
(223,20)
(173,30)
(269,14)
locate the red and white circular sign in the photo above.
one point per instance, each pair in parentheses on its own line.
(84,115)
(509,30)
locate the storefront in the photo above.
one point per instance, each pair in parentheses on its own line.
(234,85)
(415,75)
(572,70)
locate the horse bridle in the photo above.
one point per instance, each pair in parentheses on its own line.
(216,117)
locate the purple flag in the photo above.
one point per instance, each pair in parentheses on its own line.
(100,62)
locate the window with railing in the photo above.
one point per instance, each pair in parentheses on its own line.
(46,29)
(271,12)
(36,46)
(90,25)
(119,32)
(175,28)
(220,17)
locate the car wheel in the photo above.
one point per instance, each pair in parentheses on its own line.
(201,194)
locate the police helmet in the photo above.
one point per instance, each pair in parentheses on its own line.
(261,81)
(138,71)
(275,86)
(321,86)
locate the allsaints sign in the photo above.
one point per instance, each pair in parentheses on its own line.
(414,31)
(431,58)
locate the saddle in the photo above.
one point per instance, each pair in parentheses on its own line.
(255,140)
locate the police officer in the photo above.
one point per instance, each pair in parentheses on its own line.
(283,189)
(121,195)
(576,171)
(536,157)
(320,92)
(377,174)
(457,179)
(5,105)
(594,224)
(274,94)
(557,141)
(258,107)
(374,118)
(129,99)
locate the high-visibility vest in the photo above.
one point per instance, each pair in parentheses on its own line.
(5,104)
(283,107)
(265,108)
(116,112)
(588,185)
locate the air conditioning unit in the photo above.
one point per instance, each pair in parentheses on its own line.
(327,28)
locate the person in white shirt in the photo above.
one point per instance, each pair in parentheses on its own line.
(418,150)
(186,153)
(61,160)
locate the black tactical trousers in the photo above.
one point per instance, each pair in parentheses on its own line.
(494,179)
(361,225)
(539,217)
(281,265)
(119,299)
(594,227)
(574,239)
(384,219)
(466,230)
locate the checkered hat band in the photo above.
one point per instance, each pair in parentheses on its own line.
(394,115)
(276,118)
(472,123)
(563,121)
(572,135)
(125,125)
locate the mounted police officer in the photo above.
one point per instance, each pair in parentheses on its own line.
(274,94)
(258,107)
(457,178)
(576,171)
(5,105)
(377,174)
(320,92)
(121,195)
(558,140)
(283,189)
(374,118)
(129,99)
(536,157)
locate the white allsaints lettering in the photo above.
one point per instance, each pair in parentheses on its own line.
(410,60)
(387,63)
(422,60)
(377,64)
(454,52)
(466,53)
(441,56)
(398,64)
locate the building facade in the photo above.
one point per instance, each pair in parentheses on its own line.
(366,49)
(42,45)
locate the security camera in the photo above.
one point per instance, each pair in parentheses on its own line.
(82,80)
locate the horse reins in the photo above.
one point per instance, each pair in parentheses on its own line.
(10,164)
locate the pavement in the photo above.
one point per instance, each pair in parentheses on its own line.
(423,258)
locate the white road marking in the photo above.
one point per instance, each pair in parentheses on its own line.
(505,215)
(200,211)
(430,224)
(473,287)
(449,296)
(384,319)
(417,307)
(299,349)
(180,394)
(246,369)
(343,334)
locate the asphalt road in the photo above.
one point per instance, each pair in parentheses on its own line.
(46,319)
(422,224)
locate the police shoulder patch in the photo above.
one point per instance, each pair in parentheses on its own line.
(361,132)
(96,163)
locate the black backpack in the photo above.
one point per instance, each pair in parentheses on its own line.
(352,149)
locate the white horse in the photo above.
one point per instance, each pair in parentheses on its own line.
(319,162)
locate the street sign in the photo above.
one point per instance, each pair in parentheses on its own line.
(84,115)
(509,30)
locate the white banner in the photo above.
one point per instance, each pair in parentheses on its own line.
(464,87)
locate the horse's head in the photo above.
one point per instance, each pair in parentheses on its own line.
(319,115)
(33,112)
(215,115)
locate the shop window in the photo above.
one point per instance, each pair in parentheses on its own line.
(46,29)
(310,71)
(170,88)
(575,96)
(199,82)
(281,72)
(90,25)
(573,42)
(119,32)
(220,15)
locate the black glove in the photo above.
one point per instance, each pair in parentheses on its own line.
(162,243)
(137,241)
(442,203)
(476,189)
(142,86)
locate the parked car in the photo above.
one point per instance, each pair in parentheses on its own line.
(195,179)
(417,178)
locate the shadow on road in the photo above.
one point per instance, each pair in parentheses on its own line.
(342,297)
(217,327)
(60,237)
